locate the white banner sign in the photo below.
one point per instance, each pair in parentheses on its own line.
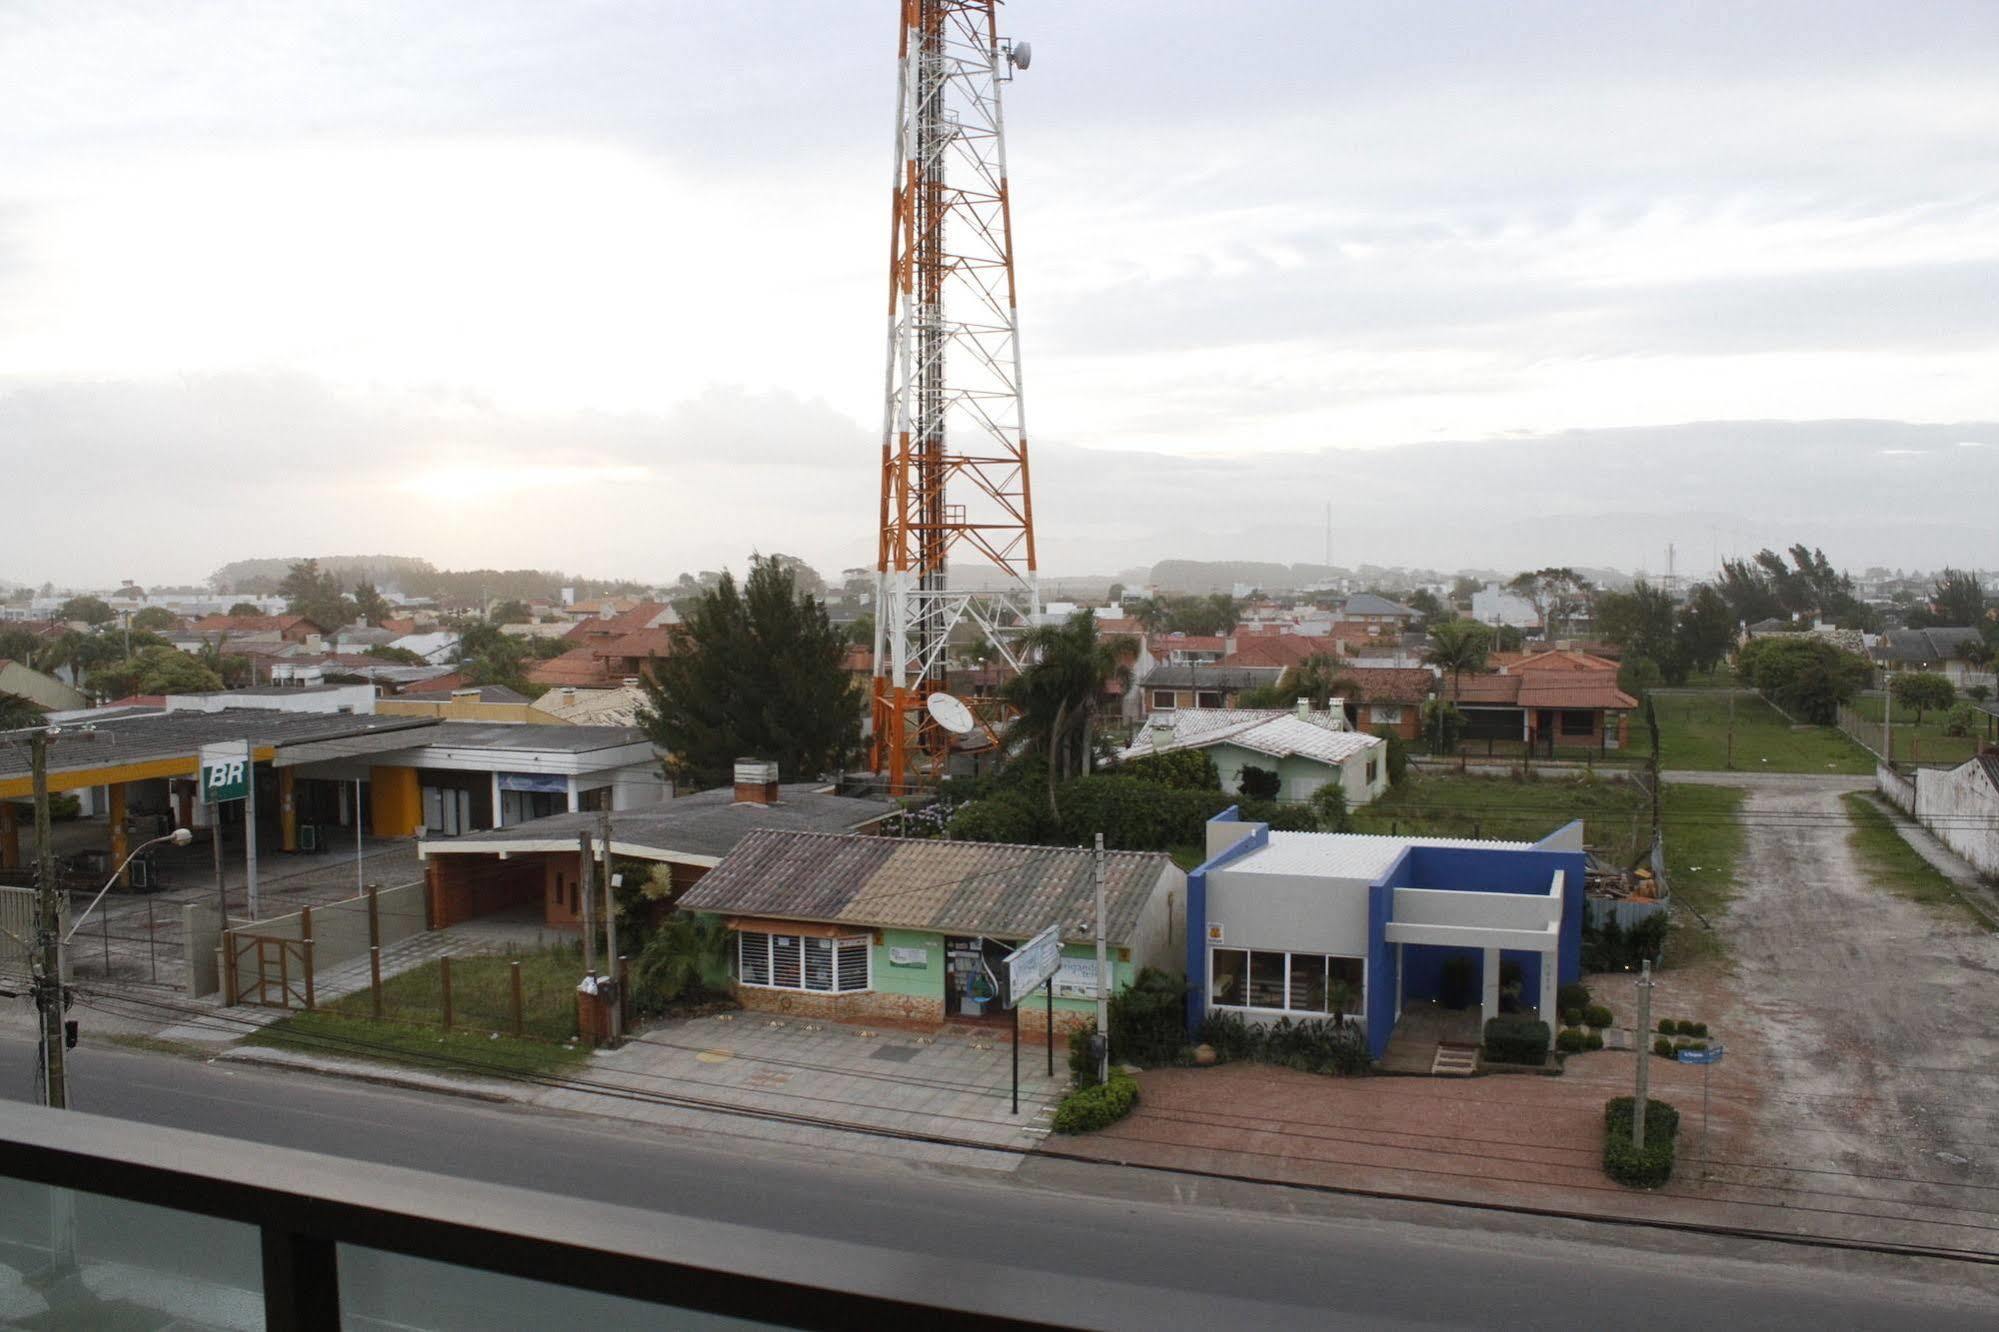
(1076,978)
(1032,963)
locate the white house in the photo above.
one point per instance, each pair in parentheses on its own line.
(1306,749)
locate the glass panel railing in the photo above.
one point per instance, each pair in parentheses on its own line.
(381,1290)
(71,1259)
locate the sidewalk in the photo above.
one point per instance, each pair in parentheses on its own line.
(1946,862)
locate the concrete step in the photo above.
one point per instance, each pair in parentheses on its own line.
(1454,1061)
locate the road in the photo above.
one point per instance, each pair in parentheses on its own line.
(1185,1252)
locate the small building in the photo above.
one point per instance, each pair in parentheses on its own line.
(355,699)
(1171,688)
(875,928)
(1557,699)
(536,862)
(1357,926)
(1387,700)
(1306,749)
(1955,653)
(1371,608)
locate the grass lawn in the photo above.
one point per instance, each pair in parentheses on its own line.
(1896,865)
(1704,836)
(1616,814)
(1920,744)
(480,1041)
(457,1053)
(1693,735)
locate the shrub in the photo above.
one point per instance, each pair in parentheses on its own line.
(1625,1163)
(1574,995)
(1318,1045)
(1596,1015)
(1149,1019)
(1398,759)
(1181,769)
(1613,948)
(1088,1109)
(1695,1029)
(1329,803)
(1569,1040)
(1592,1040)
(1082,1068)
(1669,1026)
(1261,783)
(1663,1047)
(1572,1017)
(1516,1040)
(1961,719)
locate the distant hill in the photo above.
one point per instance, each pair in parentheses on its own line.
(1223,575)
(415,577)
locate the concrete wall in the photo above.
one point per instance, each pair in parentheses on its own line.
(1961,807)
(1898,790)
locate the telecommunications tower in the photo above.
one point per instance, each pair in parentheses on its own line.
(954,476)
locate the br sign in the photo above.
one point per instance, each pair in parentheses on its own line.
(225,773)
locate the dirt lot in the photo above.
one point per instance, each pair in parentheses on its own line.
(1857,1099)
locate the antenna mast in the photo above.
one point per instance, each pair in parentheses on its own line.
(954,476)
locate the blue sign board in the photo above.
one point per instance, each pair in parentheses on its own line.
(1711,1055)
(549,783)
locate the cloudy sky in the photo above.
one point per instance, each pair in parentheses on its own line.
(597,286)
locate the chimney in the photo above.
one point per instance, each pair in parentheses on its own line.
(1336,714)
(568,695)
(1304,709)
(756,782)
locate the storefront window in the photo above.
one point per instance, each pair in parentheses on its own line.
(794,962)
(1304,983)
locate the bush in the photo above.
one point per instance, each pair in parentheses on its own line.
(1261,783)
(1317,1045)
(1088,1109)
(1149,1019)
(1614,948)
(1569,1040)
(1329,804)
(1572,1017)
(1663,1047)
(1398,759)
(1082,1068)
(1695,1029)
(1592,1040)
(1181,769)
(1626,1164)
(1574,995)
(1516,1040)
(1003,816)
(1669,1026)
(1961,719)
(1596,1015)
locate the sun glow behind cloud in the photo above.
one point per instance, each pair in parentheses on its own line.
(467,482)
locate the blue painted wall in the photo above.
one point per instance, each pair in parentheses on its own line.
(1197,915)
(1383,984)
(1469,869)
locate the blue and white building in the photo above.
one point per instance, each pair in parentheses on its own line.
(1318,925)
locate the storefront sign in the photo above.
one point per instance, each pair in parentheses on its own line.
(1032,963)
(1076,978)
(549,783)
(909,957)
(225,772)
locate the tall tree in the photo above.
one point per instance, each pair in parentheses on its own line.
(1804,674)
(87,610)
(1642,622)
(1706,629)
(1957,599)
(1559,594)
(1319,678)
(153,670)
(370,604)
(314,593)
(1459,646)
(757,672)
(1055,698)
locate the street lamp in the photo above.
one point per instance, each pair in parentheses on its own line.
(179,837)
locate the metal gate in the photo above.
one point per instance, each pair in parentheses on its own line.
(270,972)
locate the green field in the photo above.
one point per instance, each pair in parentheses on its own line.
(1694,736)
(1895,865)
(411,1030)
(1704,837)
(1919,744)
(1616,814)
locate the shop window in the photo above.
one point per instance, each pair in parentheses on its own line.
(794,962)
(1309,984)
(1229,977)
(755,958)
(786,971)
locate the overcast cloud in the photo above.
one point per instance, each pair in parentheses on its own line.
(598,286)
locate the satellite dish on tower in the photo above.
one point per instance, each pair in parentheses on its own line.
(950,712)
(1022,55)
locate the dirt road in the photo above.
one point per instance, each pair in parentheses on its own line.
(1872,1021)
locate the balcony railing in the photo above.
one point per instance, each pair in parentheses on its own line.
(110,1223)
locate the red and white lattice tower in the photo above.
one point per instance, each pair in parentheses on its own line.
(954,475)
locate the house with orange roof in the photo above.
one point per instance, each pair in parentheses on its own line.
(1544,701)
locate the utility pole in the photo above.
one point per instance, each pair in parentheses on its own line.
(587,887)
(1103,974)
(250,824)
(48,932)
(611,929)
(360,870)
(1729,762)
(1643,1046)
(1888,717)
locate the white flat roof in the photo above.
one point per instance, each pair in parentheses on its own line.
(1345,855)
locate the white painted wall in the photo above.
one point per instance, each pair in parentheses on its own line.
(1302,913)
(1961,806)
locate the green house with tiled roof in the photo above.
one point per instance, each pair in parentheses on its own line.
(870,929)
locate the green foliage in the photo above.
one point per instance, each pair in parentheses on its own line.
(153,670)
(686,954)
(1638,676)
(1516,1039)
(1613,948)
(315,593)
(1316,1045)
(1596,1015)
(1443,725)
(1642,622)
(400,656)
(249,608)
(1962,720)
(369,604)
(760,672)
(1924,691)
(1669,1026)
(1571,1017)
(1000,816)
(1200,616)
(1134,815)
(86,609)
(1260,783)
(510,612)
(152,617)
(1459,647)
(1704,632)
(1803,674)
(1688,1045)
(1956,599)
(1056,699)
(1088,1109)
(1574,995)
(1978,693)
(1569,1040)
(1149,1019)
(1593,1040)
(1663,1046)
(1329,805)
(1625,1163)
(1398,759)
(1181,769)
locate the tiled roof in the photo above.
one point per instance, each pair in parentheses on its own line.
(1280,650)
(1551,690)
(254,624)
(1989,765)
(708,823)
(639,643)
(1390,684)
(984,888)
(631,621)
(583,667)
(1367,603)
(1560,659)
(1925,645)
(1212,675)
(1279,734)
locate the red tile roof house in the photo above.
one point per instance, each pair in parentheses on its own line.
(1549,700)
(611,649)
(289,628)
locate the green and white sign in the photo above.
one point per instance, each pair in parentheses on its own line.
(225,772)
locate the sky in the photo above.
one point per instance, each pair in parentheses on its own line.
(597,286)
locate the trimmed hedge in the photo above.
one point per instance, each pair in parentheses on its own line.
(1575,995)
(1663,1046)
(1516,1040)
(1625,1163)
(1596,1015)
(1088,1109)
(1592,1040)
(1570,1040)
(1315,1045)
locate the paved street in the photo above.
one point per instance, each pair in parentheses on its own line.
(1186,1252)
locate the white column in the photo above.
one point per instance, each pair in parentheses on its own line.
(499,819)
(575,802)
(1489,1006)
(1550,965)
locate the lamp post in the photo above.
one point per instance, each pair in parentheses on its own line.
(179,837)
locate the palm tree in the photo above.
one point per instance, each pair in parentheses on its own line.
(1457,647)
(1055,697)
(679,957)
(1319,678)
